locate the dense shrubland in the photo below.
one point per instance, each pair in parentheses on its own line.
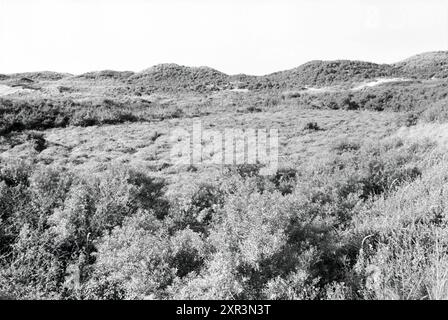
(326,73)
(408,97)
(171,77)
(18,115)
(425,66)
(22,114)
(422,101)
(347,227)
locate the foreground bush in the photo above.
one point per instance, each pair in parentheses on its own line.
(405,254)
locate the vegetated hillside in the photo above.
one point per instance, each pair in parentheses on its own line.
(412,96)
(22,82)
(39,114)
(326,73)
(425,66)
(257,83)
(171,77)
(106,74)
(32,80)
(40,75)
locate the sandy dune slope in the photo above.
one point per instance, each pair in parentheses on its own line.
(6,90)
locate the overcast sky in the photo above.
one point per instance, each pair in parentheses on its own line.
(244,36)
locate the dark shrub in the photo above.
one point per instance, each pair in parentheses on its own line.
(38,141)
(312,126)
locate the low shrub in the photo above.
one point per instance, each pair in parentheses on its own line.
(312,126)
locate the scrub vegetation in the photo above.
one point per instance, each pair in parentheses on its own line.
(91,206)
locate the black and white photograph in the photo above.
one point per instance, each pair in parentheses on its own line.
(252,150)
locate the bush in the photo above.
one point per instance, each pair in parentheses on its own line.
(32,271)
(312,126)
(403,254)
(38,141)
(436,112)
(196,209)
(132,261)
(346,145)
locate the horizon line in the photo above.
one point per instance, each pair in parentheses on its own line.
(228,74)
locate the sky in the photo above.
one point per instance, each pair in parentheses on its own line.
(234,36)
